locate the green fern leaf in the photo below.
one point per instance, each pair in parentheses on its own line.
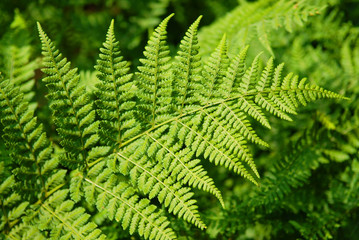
(114,93)
(154,178)
(25,137)
(146,135)
(213,74)
(64,221)
(36,174)
(122,203)
(187,76)
(187,69)
(153,81)
(74,115)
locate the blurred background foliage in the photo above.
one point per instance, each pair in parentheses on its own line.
(78,26)
(309,187)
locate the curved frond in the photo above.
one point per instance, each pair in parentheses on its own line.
(121,202)
(74,114)
(31,150)
(213,107)
(143,140)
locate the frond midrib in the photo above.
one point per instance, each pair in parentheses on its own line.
(218,103)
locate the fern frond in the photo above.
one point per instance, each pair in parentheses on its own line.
(21,70)
(16,57)
(115,95)
(136,215)
(257,18)
(154,180)
(146,136)
(217,127)
(113,73)
(11,204)
(187,78)
(121,203)
(235,73)
(36,175)
(154,83)
(281,96)
(187,69)
(59,217)
(74,114)
(290,173)
(24,136)
(213,73)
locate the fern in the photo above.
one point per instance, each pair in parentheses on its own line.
(314,186)
(36,177)
(199,124)
(256,20)
(69,106)
(290,173)
(115,95)
(31,150)
(12,208)
(16,64)
(142,136)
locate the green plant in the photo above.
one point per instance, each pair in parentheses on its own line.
(309,190)
(136,142)
(252,22)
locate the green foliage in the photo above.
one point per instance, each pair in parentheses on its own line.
(121,153)
(36,179)
(15,57)
(308,190)
(257,20)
